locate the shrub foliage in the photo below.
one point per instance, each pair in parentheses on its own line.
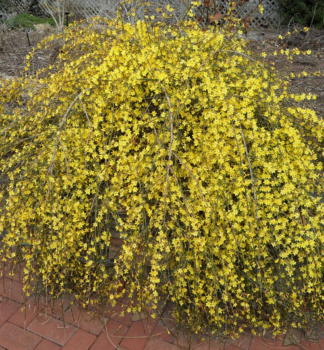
(304,12)
(190,148)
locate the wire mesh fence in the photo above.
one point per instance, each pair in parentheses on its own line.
(88,8)
(18,6)
(269,17)
(82,8)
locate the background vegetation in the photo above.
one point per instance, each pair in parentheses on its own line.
(304,12)
(27,21)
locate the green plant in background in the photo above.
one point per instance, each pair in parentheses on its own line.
(26,20)
(304,12)
(28,14)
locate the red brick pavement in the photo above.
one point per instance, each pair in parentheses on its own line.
(44,328)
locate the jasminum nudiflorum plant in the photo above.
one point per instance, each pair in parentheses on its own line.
(190,148)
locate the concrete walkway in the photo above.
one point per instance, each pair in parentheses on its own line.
(44,329)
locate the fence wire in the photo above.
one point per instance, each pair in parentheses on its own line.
(107,8)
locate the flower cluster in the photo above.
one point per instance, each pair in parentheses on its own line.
(189,148)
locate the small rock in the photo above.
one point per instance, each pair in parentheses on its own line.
(43,27)
(290,339)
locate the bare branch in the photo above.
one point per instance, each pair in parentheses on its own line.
(170,148)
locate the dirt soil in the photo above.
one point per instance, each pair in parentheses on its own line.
(14,47)
(266,40)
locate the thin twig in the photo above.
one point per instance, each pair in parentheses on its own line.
(192,175)
(86,113)
(313,16)
(65,157)
(170,148)
(251,173)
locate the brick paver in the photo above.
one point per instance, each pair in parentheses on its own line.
(7,309)
(111,337)
(214,345)
(81,319)
(157,343)
(11,289)
(48,345)
(103,342)
(53,327)
(259,343)
(184,340)
(233,347)
(25,315)
(80,340)
(138,334)
(304,344)
(13,337)
(166,334)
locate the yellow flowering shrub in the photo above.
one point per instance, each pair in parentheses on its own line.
(190,148)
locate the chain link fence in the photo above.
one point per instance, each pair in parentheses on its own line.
(17,6)
(88,8)
(108,8)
